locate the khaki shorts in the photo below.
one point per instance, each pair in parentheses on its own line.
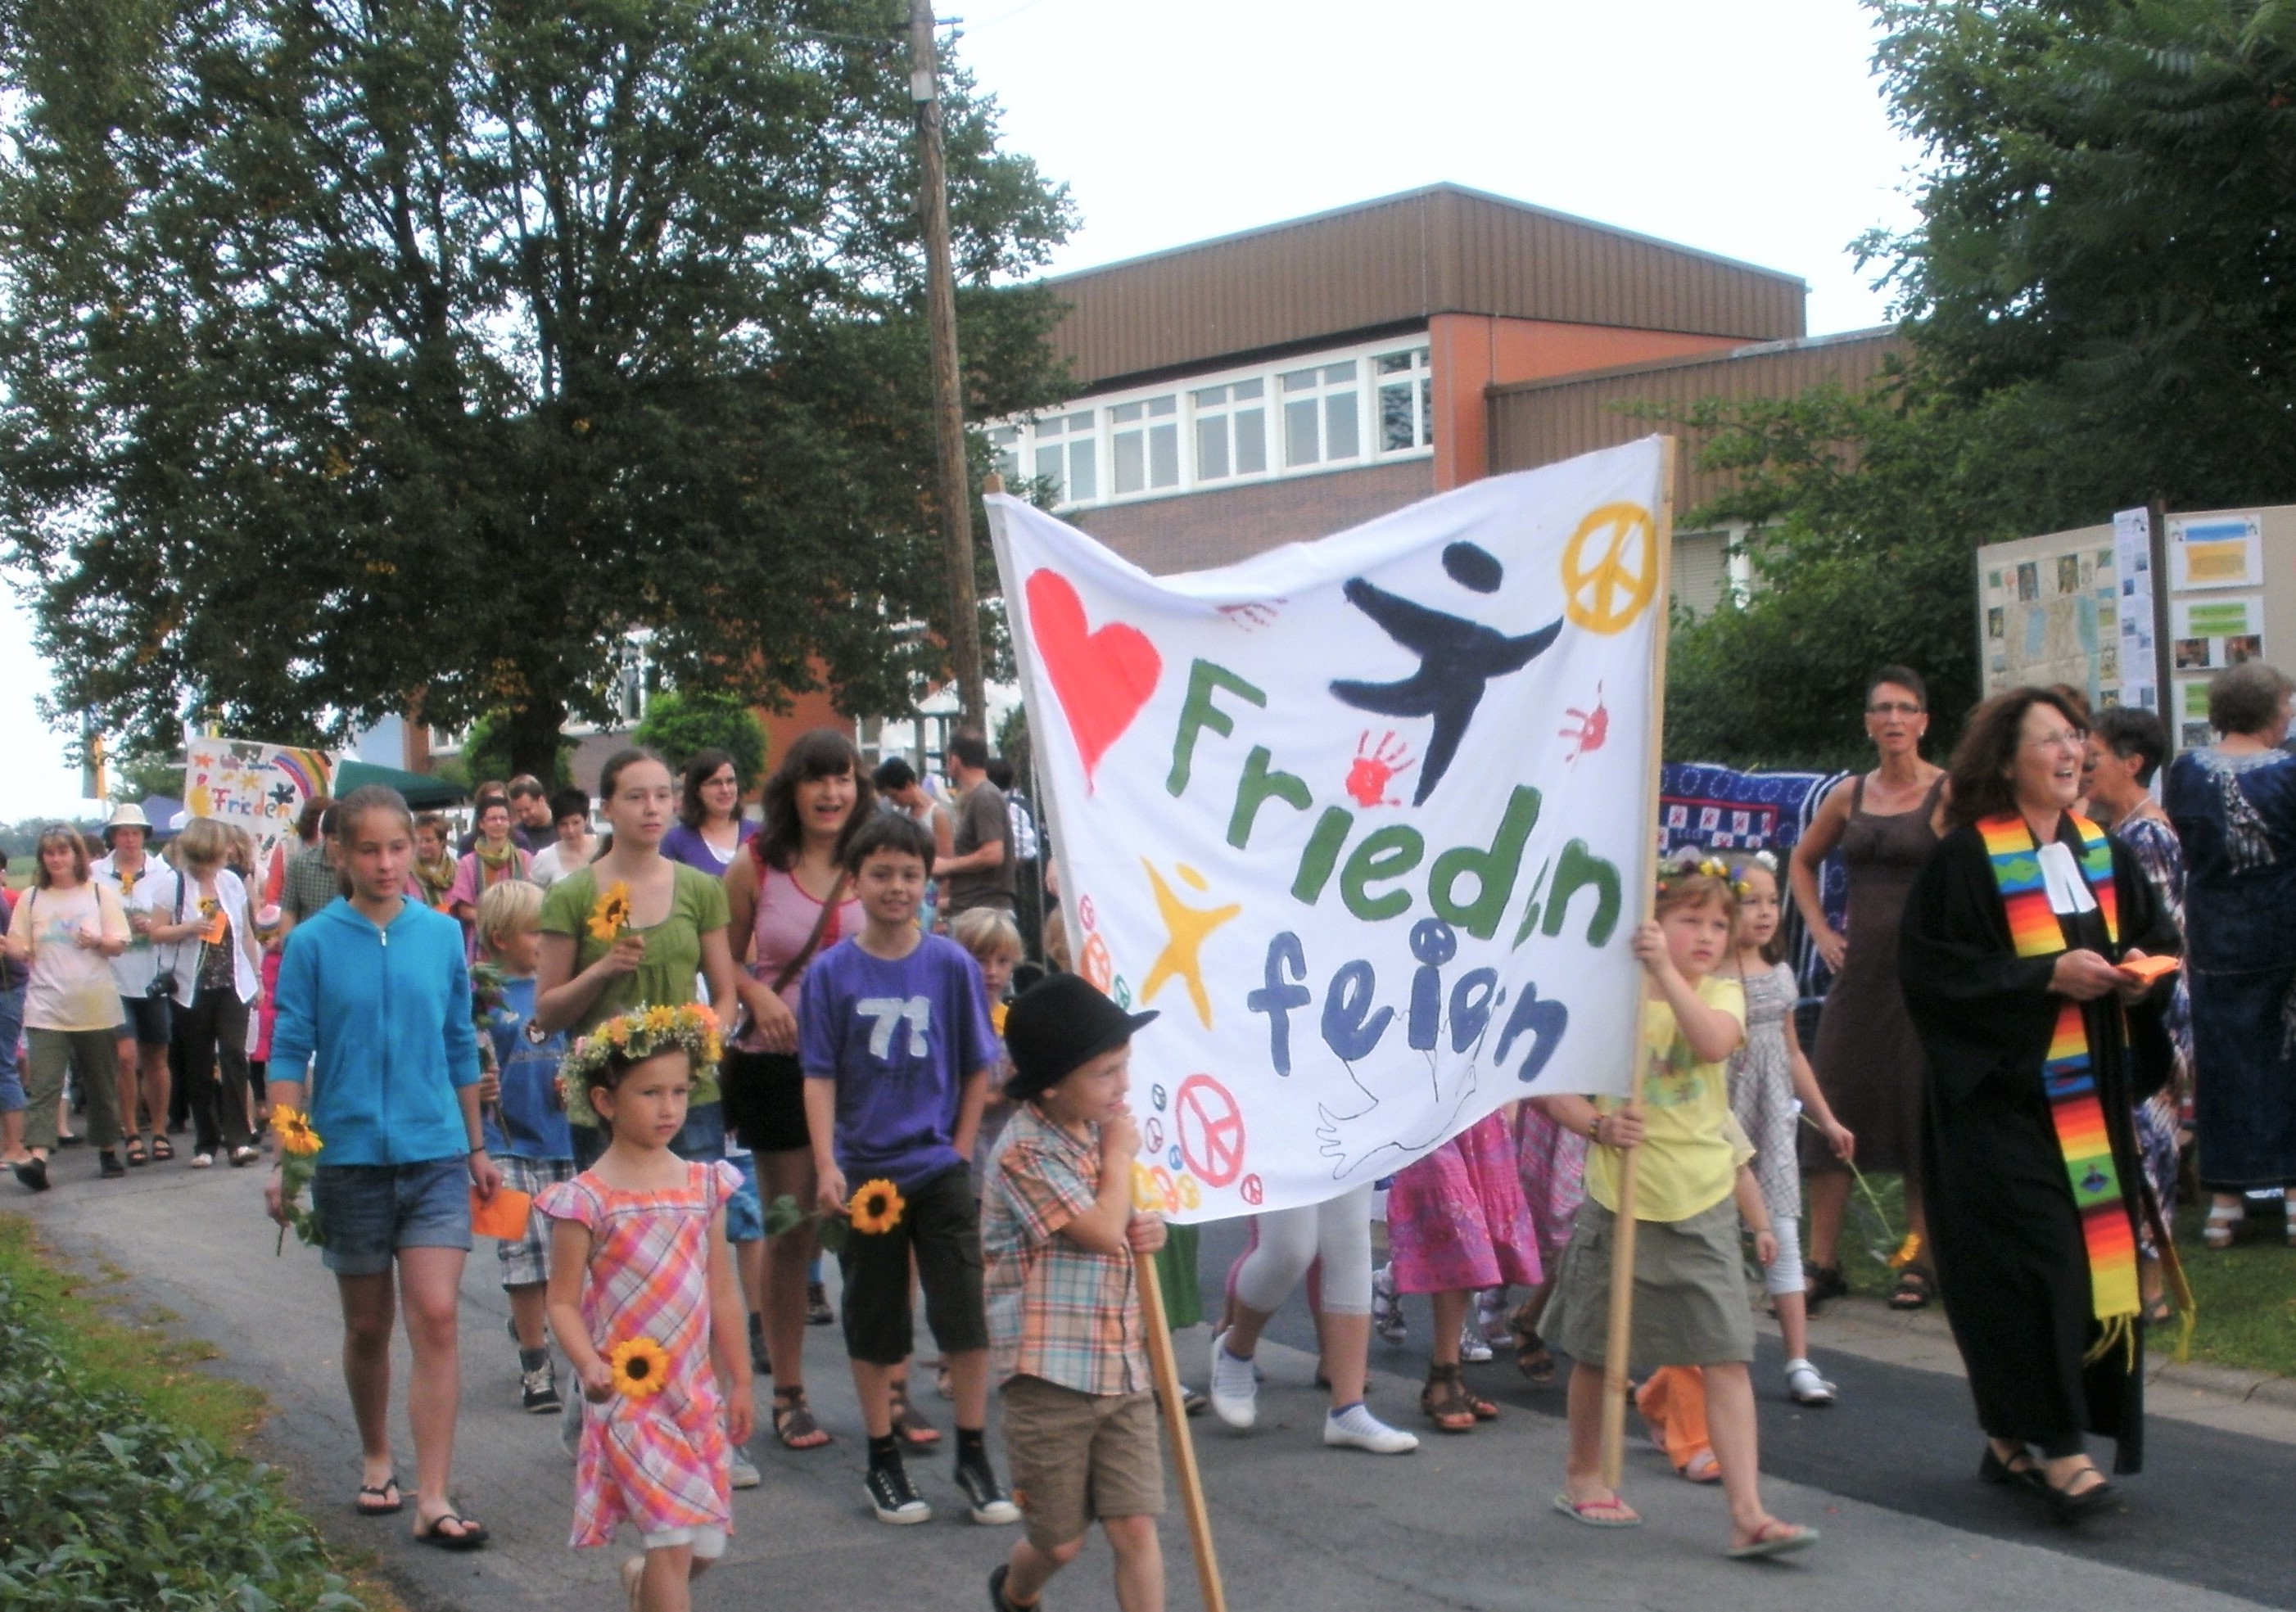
(1077,1457)
(1691,1307)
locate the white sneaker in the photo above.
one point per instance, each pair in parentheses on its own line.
(745,1474)
(1235,1387)
(1491,1315)
(1358,1430)
(1473,1350)
(1805,1385)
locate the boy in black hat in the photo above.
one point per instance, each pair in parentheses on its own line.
(1058,1233)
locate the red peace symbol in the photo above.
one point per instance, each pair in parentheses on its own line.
(1252,1191)
(1083,911)
(1155,1136)
(1210,1129)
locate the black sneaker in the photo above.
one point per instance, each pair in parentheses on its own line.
(760,1361)
(33,1173)
(893,1497)
(817,1313)
(108,1165)
(986,1497)
(539,1392)
(996,1601)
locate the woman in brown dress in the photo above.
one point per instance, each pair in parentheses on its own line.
(1867,1057)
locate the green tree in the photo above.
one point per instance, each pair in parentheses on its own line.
(136,775)
(1865,513)
(378,359)
(679,723)
(2107,232)
(485,755)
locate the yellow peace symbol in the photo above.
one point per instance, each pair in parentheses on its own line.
(1609,568)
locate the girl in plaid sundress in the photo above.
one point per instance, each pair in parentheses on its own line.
(643,1299)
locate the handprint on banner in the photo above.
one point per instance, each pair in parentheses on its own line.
(1251,618)
(1591,727)
(1375,767)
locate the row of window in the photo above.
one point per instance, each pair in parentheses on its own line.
(1300,419)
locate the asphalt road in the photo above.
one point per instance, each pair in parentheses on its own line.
(1464,1522)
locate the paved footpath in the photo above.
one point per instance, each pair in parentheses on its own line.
(1464,1523)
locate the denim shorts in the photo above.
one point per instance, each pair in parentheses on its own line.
(149,1020)
(371,1211)
(745,1211)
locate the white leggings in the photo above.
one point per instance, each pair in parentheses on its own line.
(1784,1273)
(1287,1242)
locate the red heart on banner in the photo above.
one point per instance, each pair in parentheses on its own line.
(1101,679)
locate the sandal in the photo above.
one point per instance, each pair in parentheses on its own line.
(387,1491)
(135,1156)
(793,1422)
(2222,1228)
(469,1535)
(1824,1282)
(1532,1357)
(909,1424)
(1701,1467)
(1445,1400)
(162,1149)
(1912,1291)
(1773,1538)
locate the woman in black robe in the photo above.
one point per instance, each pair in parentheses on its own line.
(2012,1264)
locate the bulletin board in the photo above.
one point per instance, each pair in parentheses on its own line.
(2143,610)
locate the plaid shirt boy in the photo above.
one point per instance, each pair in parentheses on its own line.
(1056,1311)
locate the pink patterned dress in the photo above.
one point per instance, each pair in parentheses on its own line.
(1553,1162)
(1456,1220)
(660,1462)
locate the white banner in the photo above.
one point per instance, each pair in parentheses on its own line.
(257,787)
(1369,818)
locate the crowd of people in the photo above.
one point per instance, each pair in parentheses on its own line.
(709,1047)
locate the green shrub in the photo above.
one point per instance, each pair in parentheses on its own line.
(104,1505)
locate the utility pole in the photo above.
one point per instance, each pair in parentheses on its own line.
(956,491)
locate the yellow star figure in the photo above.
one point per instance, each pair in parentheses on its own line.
(1186,928)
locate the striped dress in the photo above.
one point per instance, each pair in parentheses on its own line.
(660,1462)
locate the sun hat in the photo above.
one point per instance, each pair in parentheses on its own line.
(1058,1025)
(127,816)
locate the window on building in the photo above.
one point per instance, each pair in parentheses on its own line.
(1144,445)
(1231,430)
(1005,443)
(1406,401)
(1702,570)
(1067,456)
(1319,415)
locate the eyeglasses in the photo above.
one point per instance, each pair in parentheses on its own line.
(2071,739)
(1894,707)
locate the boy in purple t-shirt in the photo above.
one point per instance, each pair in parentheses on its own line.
(893,1034)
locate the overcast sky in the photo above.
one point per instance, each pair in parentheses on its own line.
(1748,127)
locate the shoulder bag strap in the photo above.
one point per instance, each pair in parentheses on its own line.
(813,941)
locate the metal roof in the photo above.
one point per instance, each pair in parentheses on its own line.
(1393,263)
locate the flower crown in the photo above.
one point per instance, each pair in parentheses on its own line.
(1692,862)
(636,1036)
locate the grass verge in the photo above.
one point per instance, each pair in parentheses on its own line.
(121,1482)
(2246,1294)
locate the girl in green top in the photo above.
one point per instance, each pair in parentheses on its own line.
(634,927)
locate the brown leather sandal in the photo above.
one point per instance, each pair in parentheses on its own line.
(1445,1399)
(909,1424)
(793,1422)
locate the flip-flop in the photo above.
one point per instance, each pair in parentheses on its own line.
(1577,1512)
(383,1491)
(472,1534)
(1774,1539)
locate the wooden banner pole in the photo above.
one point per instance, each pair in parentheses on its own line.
(1174,1398)
(1620,1342)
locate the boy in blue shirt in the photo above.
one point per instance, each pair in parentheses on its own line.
(893,1035)
(525,1123)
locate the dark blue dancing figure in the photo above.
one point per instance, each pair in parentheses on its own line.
(1458,658)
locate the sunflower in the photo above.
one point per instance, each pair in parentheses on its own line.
(295,1132)
(997,1012)
(611,915)
(877,1208)
(641,1367)
(659,1021)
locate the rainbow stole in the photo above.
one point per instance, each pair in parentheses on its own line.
(2068,1076)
